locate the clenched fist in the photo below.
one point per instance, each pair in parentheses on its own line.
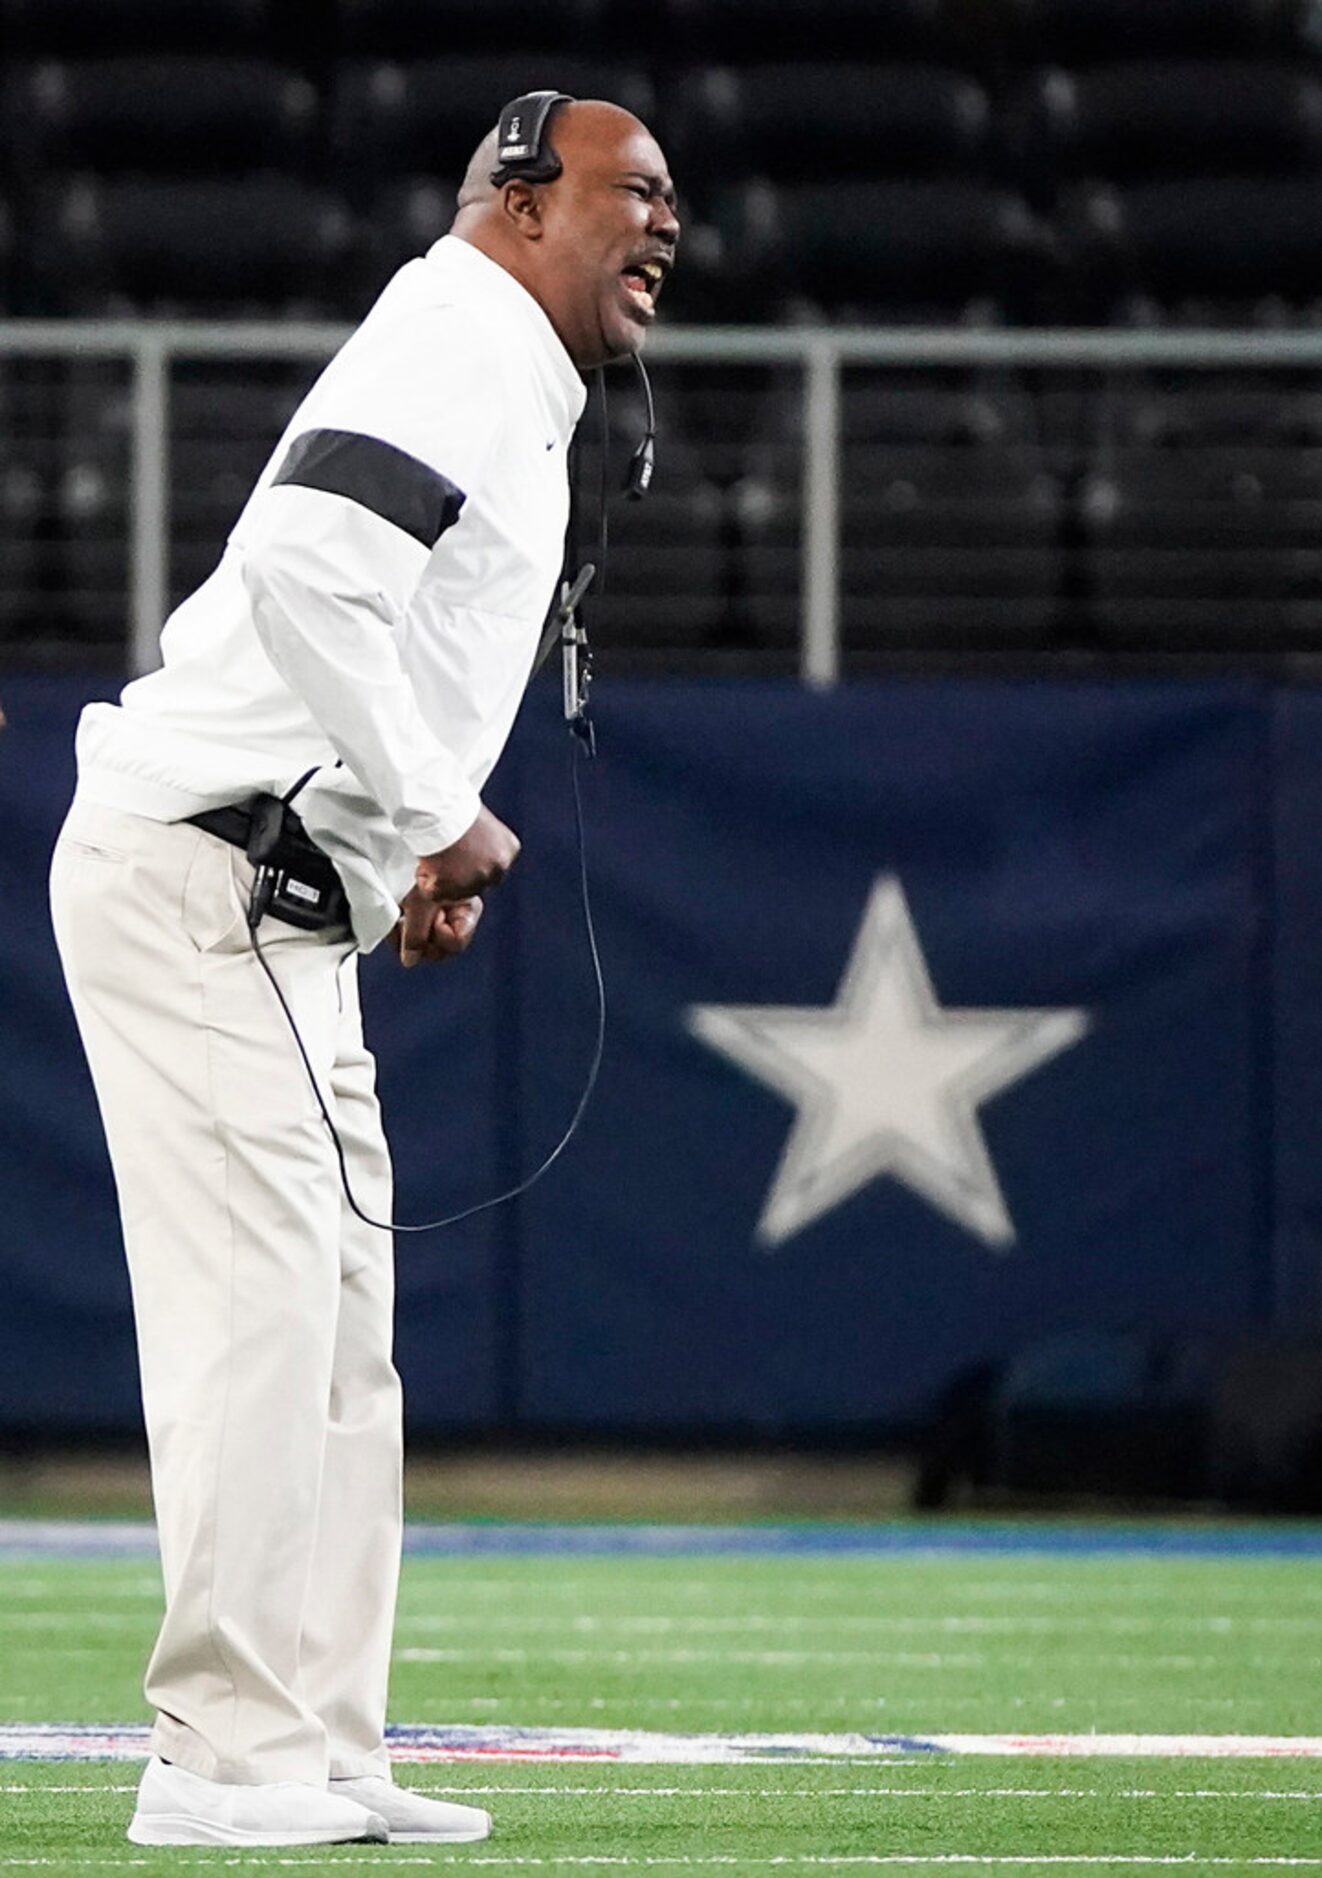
(434,933)
(441,910)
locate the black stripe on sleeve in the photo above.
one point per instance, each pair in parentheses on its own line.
(389,482)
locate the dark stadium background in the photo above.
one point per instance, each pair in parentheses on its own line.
(1074,563)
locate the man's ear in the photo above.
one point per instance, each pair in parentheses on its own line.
(523,209)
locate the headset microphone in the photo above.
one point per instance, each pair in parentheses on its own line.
(642,464)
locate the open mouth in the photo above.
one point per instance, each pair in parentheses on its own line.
(643,281)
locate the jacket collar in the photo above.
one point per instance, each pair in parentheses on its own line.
(488,276)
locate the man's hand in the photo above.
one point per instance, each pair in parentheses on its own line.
(441,911)
(478,860)
(430,934)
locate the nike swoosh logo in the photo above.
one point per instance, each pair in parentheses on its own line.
(551,445)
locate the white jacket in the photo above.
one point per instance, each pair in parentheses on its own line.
(379,603)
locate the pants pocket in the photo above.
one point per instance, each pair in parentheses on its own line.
(213,912)
(91,851)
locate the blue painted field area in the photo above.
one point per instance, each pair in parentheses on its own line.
(59,1539)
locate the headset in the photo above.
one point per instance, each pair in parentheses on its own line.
(525,153)
(522,152)
(522,149)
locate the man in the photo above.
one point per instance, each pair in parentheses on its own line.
(362,648)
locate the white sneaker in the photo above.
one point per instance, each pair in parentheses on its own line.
(411,1817)
(179,1808)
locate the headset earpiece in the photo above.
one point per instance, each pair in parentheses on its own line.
(521,149)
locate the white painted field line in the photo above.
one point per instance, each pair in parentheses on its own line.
(587,1623)
(916,1860)
(876,1793)
(816,1704)
(872,1707)
(844,1704)
(908,1861)
(922,1861)
(59,1588)
(67,1620)
(891,1659)
(1214,1624)
(611,1791)
(753,1659)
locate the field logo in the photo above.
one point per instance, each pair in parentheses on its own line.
(886,1082)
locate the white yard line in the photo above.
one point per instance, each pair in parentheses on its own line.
(65,1620)
(1219,1623)
(346,1860)
(584,1622)
(913,1659)
(871,1793)
(755,1659)
(936,1794)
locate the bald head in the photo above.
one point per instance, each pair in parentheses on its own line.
(574,130)
(477,187)
(592,245)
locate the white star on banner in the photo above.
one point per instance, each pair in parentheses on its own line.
(885,1081)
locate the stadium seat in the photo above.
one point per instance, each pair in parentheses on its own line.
(1231,497)
(721,521)
(226,417)
(400,220)
(180,115)
(87,557)
(419,29)
(401,137)
(734,424)
(67,430)
(1085,31)
(1150,119)
(808,123)
(62,482)
(939,551)
(1233,238)
(933,407)
(227,246)
(667,586)
(942,496)
(878,249)
(22,497)
(116,28)
(426,119)
(1260,411)
(952,534)
(6,255)
(727,31)
(1203,549)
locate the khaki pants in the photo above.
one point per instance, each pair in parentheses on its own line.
(263,1306)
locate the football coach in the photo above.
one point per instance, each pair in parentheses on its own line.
(333,698)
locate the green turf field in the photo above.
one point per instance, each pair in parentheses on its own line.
(875,1645)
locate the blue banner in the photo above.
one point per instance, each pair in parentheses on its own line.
(944,1017)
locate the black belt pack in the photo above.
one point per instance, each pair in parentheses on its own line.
(295,881)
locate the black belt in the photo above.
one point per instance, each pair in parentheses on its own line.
(298,881)
(232,823)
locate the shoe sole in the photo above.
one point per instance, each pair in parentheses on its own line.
(183,1829)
